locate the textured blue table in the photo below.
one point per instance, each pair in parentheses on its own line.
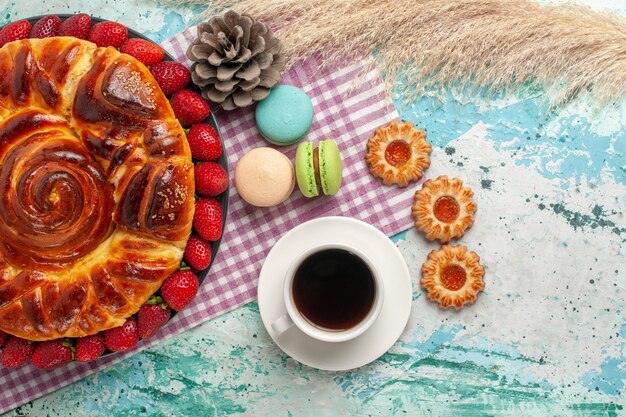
(547,337)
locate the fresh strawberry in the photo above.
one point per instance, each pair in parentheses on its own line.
(77,26)
(197,253)
(211,179)
(52,354)
(19,29)
(90,347)
(108,34)
(179,289)
(204,142)
(189,107)
(3,338)
(46,27)
(17,352)
(208,219)
(147,52)
(122,338)
(152,316)
(171,76)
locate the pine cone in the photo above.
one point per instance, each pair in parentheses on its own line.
(237,60)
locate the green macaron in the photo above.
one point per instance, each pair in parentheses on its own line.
(318,168)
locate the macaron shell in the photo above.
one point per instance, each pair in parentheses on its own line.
(264,177)
(285,115)
(330,166)
(305,172)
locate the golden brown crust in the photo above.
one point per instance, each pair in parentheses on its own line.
(451,292)
(449,225)
(96,188)
(411,156)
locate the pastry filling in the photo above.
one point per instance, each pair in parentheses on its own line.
(316,168)
(446,209)
(398,153)
(453,277)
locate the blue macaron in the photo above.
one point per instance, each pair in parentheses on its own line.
(285,116)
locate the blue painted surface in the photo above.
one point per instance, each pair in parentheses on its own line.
(582,151)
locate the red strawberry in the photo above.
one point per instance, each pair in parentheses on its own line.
(197,253)
(3,338)
(152,316)
(19,29)
(17,352)
(189,107)
(108,34)
(171,76)
(77,26)
(52,354)
(208,219)
(122,338)
(147,52)
(179,289)
(46,27)
(211,179)
(90,347)
(204,142)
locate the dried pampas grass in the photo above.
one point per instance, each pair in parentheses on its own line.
(492,44)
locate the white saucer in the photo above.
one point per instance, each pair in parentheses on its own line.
(397,299)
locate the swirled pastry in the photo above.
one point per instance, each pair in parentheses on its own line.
(398,153)
(96,188)
(443,209)
(452,276)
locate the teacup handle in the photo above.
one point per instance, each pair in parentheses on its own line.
(282,324)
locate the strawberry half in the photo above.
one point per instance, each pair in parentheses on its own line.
(189,107)
(171,76)
(179,289)
(197,253)
(211,179)
(124,337)
(152,316)
(77,26)
(207,219)
(19,29)
(108,34)
(46,27)
(17,352)
(89,348)
(204,142)
(52,354)
(146,52)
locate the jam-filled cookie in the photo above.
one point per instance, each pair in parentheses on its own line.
(398,153)
(452,276)
(443,209)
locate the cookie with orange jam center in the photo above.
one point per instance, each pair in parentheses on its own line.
(443,209)
(398,153)
(452,276)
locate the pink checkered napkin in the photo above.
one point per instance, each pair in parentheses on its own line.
(251,232)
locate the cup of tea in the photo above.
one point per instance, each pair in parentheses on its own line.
(333,293)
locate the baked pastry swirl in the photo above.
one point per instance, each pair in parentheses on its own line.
(398,153)
(96,188)
(452,276)
(443,209)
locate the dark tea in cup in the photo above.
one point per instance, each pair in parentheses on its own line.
(334,289)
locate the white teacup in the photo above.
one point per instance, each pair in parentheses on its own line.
(306,324)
